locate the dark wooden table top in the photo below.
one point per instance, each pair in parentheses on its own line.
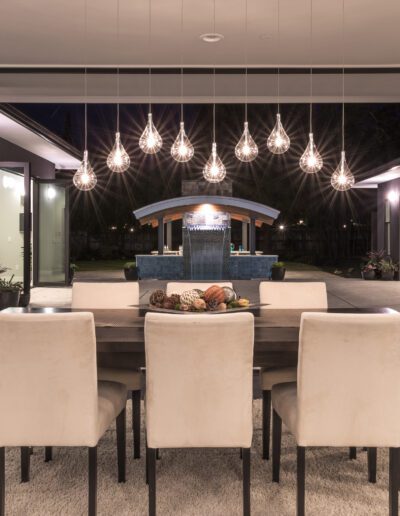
(276,331)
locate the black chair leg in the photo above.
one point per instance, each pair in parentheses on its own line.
(136,396)
(276,446)
(25,463)
(246,481)
(121,445)
(266,423)
(2,482)
(48,454)
(92,510)
(394,481)
(352,453)
(372,465)
(151,454)
(301,476)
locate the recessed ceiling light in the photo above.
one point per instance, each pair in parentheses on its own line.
(212,37)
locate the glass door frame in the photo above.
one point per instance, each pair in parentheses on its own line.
(36,208)
(25,167)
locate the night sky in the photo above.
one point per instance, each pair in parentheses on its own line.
(372,139)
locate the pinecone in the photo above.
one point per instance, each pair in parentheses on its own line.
(212,304)
(157,297)
(175,299)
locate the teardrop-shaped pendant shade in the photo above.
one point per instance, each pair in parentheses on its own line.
(150,142)
(182,150)
(278,141)
(118,159)
(342,179)
(84,178)
(246,149)
(214,170)
(311,161)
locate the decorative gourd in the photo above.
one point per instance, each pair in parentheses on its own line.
(230,294)
(157,297)
(189,296)
(214,294)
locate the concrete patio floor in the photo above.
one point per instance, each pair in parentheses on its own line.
(342,292)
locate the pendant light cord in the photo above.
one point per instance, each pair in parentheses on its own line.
(85,77)
(245,60)
(311,63)
(214,81)
(150,55)
(343,32)
(278,54)
(182,61)
(118,67)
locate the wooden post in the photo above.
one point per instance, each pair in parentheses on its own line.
(160,235)
(252,236)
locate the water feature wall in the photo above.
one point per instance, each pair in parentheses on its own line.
(206,245)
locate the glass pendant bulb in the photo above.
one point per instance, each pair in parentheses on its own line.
(182,150)
(342,179)
(150,142)
(118,159)
(246,148)
(84,178)
(214,170)
(311,161)
(278,141)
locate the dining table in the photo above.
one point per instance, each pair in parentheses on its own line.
(120,332)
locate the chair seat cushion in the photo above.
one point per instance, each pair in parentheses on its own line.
(111,402)
(132,379)
(274,375)
(284,402)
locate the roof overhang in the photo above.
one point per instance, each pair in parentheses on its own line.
(173,209)
(384,177)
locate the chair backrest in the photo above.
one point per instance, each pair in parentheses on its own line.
(105,295)
(178,287)
(48,380)
(199,374)
(290,294)
(348,380)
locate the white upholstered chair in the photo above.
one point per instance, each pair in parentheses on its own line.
(49,393)
(114,366)
(199,386)
(340,398)
(176,287)
(285,295)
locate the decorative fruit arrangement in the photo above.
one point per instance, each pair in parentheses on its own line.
(215,298)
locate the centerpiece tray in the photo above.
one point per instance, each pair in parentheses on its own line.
(249,307)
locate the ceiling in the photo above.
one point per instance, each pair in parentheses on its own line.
(50,34)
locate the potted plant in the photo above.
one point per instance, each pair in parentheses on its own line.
(368,271)
(71,272)
(370,268)
(387,269)
(130,271)
(9,291)
(278,271)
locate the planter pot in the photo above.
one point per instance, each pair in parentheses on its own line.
(131,274)
(278,273)
(24,299)
(368,275)
(8,299)
(387,275)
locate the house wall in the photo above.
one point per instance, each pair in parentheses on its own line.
(40,167)
(385,203)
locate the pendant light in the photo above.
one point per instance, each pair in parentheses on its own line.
(182,150)
(118,160)
(278,141)
(342,179)
(84,178)
(214,170)
(311,161)
(246,149)
(150,142)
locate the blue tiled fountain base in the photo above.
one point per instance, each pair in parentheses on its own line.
(171,267)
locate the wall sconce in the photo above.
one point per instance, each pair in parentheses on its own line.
(393,196)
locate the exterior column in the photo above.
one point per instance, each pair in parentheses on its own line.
(160,235)
(252,236)
(244,235)
(169,235)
